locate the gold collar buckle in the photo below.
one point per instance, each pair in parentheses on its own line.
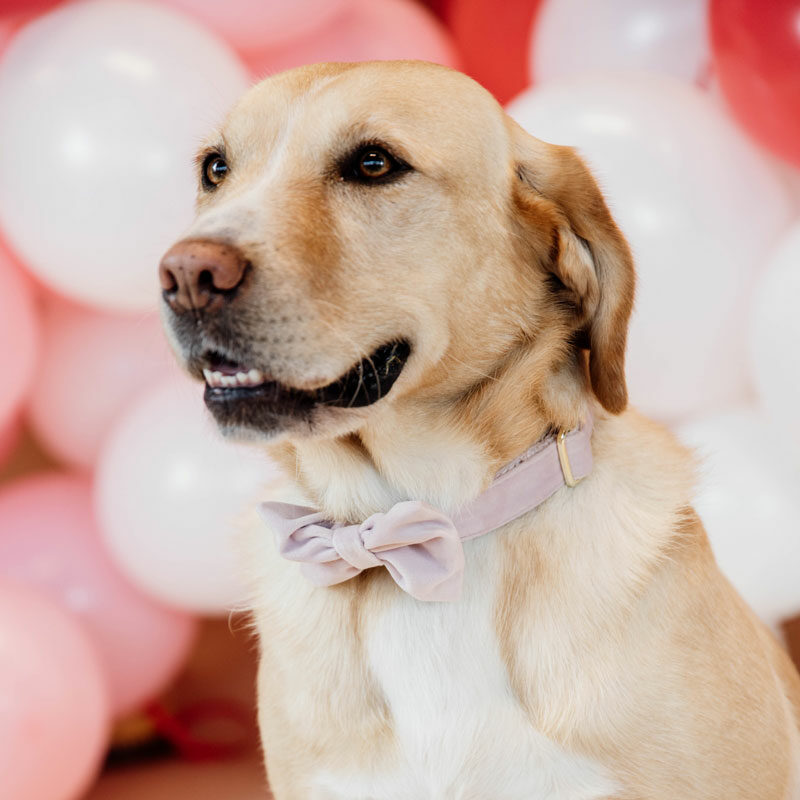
(563,457)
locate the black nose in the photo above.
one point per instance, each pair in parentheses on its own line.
(200,274)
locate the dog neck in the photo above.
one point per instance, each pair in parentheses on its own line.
(438,449)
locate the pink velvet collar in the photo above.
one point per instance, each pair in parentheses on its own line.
(419,545)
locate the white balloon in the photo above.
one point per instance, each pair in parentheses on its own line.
(749,503)
(103,104)
(169,493)
(774,337)
(666,36)
(791,179)
(699,204)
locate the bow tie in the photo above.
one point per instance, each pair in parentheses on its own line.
(419,545)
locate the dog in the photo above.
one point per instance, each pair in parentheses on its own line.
(399,291)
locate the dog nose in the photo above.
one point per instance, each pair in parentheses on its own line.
(200,274)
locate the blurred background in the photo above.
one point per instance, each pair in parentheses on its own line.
(126,665)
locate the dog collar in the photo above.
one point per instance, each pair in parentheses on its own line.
(419,545)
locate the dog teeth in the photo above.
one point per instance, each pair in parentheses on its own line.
(216,380)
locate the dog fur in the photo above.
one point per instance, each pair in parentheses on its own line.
(597,652)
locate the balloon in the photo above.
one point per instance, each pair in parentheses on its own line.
(103,105)
(25,7)
(168,492)
(439,7)
(756,53)
(774,334)
(367,30)
(791,178)
(493,39)
(54,720)
(49,539)
(19,336)
(252,26)
(92,365)
(749,504)
(700,206)
(8,27)
(667,36)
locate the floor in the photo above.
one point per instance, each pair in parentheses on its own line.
(175,780)
(222,667)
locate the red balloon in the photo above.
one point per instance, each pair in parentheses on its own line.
(25,8)
(756,51)
(492,38)
(9,25)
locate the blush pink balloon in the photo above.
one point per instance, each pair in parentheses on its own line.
(251,26)
(368,30)
(54,714)
(91,366)
(48,539)
(19,335)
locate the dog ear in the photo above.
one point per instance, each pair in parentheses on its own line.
(561,208)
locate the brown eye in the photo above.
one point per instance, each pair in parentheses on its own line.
(372,163)
(375,164)
(215,168)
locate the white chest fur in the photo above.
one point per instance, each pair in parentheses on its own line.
(460,733)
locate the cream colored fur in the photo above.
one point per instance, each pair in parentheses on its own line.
(597,652)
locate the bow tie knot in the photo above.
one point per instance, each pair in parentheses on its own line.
(418,545)
(348,542)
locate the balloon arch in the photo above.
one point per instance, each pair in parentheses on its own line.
(689,114)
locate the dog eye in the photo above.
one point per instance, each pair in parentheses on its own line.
(215,168)
(375,164)
(372,164)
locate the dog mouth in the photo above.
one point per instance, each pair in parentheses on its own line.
(240,395)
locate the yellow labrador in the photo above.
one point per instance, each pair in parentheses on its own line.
(400,291)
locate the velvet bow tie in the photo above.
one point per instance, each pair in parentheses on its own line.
(420,546)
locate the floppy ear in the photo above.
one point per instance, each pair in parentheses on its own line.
(559,203)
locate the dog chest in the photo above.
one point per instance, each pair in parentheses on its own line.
(458,729)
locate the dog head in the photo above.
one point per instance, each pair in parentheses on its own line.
(383,233)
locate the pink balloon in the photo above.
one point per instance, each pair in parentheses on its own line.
(48,539)
(368,30)
(251,26)
(19,335)
(54,715)
(92,365)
